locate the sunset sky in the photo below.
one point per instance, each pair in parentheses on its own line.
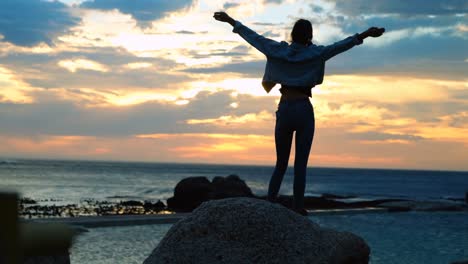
(162,81)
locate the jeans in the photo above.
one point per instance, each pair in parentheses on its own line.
(298,116)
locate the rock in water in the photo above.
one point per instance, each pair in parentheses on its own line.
(189,193)
(247,230)
(230,186)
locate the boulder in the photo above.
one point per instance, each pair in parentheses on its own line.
(158,206)
(230,186)
(190,192)
(247,230)
(131,203)
(60,259)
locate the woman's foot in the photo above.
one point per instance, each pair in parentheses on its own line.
(301,211)
(272,199)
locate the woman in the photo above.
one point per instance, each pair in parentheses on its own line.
(298,67)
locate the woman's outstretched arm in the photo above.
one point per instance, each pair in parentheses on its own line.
(347,43)
(264,45)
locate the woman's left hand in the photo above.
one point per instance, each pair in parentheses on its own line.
(375,32)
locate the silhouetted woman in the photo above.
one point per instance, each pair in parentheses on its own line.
(298,67)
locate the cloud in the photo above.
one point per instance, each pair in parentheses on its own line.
(106,68)
(248,69)
(273,1)
(74,65)
(232,121)
(386,137)
(30,22)
(185,32)
(52,113)
(143,11)
(316,8)
(414,7)
(182,147)
(396,22)
(228,5)
(138,65)
(13,90)
(413,55)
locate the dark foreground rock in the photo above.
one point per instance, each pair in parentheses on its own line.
(190,192)
(460,262)
(64,259)
(245,230)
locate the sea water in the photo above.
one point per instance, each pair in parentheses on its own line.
(411,237)
(72,181)
(399,238)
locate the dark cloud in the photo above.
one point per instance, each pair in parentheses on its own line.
(273,1)
(413,7)
(266,24)
(130,79)
(425,56)
(428,112)
(143,11)
(395,22)
(52,115)
(316,8)
(237,53)
(460,121)
(27,66)
(228,5)
(30,22)
(460,94)
(249,69)
(378,136)
(185,32)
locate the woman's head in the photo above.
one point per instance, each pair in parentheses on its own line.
(302,32)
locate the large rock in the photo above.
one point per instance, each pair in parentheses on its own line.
(246,230)
(59,259)
(230,186)
(190,192)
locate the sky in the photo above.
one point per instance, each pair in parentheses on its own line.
(162,81)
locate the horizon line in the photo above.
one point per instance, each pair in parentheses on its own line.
(5,159)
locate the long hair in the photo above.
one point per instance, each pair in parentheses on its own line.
(302,32)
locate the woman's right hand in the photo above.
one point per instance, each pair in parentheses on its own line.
(223,17)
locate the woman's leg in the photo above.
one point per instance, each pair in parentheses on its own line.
(283,141)
(304,138)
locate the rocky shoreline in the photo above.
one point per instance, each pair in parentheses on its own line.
(190,192)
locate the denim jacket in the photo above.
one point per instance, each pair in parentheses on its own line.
(293,64)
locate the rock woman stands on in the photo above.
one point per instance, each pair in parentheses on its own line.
(297,67)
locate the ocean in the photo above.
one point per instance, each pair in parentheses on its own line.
(65,182)
(394,238)
(404,238)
